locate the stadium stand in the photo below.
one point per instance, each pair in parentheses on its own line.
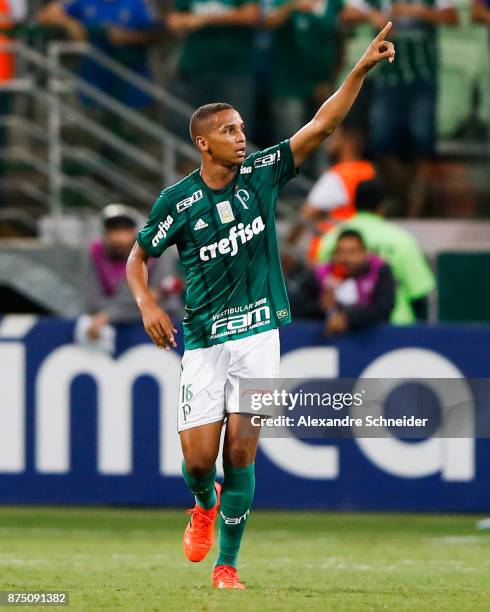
(63,164)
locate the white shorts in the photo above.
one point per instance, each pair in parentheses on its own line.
(209,381)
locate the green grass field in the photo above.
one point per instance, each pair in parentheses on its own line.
(132,560)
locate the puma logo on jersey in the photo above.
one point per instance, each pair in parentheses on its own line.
(200,224)
(188,202)
(267,160)
(239,234)
(163,228)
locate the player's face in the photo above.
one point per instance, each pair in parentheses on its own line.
(226,137)
(350,254)
(119,242)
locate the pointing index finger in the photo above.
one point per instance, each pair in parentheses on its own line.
(384,32)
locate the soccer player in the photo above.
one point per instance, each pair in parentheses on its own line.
(222,219)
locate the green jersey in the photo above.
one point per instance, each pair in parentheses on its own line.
(228,247)
(304,48)
(414,278)
(417,53)
(216,49)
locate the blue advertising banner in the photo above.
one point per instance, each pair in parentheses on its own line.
(78,426)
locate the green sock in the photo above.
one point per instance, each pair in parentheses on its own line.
(236,500)
(203,488)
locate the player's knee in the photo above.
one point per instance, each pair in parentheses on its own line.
(199,467)
(239,457)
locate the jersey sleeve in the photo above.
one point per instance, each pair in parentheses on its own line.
(279,161)
(161,228)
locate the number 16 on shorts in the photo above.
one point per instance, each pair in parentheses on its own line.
(185,399)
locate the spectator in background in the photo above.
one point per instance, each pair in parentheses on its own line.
(413,276)
(217,61)
(480,12)
(302,287)
(11,13)
(403,111)
(122,29)
(332,198)
(356,287)
(108,300)
(304,58)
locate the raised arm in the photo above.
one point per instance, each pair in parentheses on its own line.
(158,324)
(333,111)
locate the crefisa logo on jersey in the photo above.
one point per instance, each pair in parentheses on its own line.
(239,234)
(163,228)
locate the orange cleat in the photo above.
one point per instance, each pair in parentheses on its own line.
(225,577)
(199,533)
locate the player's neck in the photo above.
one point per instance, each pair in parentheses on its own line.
(216,175)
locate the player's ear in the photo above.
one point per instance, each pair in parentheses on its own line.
(201,143)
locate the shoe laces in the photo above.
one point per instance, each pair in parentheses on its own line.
(227,573)
(200,520)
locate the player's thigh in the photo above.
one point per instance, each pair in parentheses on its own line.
(201,408)
(254,357)
(200,447)
(202,387)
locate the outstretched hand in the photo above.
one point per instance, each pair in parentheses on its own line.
(379,50)
(333,110)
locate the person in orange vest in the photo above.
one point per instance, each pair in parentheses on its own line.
(332,198)
(11,12)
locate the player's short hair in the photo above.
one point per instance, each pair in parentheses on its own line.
(203,113)
(370,195)
(351,233)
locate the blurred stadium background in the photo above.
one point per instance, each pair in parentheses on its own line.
(86,427)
